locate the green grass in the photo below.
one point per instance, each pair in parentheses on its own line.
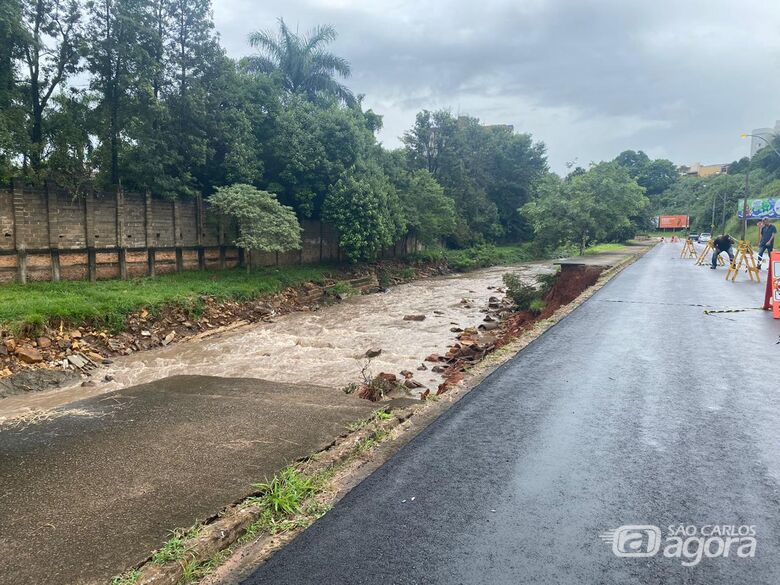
(129,578)
(285,493)
(601,248)
(108,303)
(174,549)
(483,256)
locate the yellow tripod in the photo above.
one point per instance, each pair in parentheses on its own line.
(744,256)
(709,249)
(688,251)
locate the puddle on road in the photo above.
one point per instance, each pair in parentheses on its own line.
(324,347)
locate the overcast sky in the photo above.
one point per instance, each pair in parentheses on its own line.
(679,79)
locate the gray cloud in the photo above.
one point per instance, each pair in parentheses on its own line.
(680,79)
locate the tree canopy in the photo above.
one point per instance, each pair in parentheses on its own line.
(596,205)
(139,93)
(301,61)
(263,223)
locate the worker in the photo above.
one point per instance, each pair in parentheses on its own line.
(723,243)
(766,239)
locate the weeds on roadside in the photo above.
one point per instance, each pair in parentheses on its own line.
(129,578)
(175,548)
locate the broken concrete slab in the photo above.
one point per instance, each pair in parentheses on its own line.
(94,490)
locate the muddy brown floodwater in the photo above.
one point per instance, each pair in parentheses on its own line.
(325,347)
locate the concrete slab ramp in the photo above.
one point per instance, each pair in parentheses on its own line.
(94,486)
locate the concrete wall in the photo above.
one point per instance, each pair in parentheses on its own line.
(49,234)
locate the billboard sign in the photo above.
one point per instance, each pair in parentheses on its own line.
(673,222)
(760,208)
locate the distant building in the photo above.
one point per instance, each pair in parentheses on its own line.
(700,170)
(761,136)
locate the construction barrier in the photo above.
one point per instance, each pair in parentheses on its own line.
(772,298)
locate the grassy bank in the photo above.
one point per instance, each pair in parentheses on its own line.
(484,256)
(109,302)
(604,248)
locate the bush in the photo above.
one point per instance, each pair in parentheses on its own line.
(537,306)
(522,294)
(527,297)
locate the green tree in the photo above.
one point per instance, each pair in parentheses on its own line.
(427,211)
(633,161)
(50,50)
(119,61)
(11,116)
(302,62)
(264,224)
(657,176)
(586,208)
(310,148)
(488,171)
(364,208)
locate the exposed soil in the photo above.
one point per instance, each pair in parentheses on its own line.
(503,324)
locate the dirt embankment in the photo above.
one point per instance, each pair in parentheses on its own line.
(79,348)
(501,324)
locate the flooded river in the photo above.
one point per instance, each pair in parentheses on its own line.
(325,347)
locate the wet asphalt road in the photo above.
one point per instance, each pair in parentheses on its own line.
(638,409)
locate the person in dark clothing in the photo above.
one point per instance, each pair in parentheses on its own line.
(766,239)
(723,243)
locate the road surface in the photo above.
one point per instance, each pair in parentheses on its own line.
(638,409)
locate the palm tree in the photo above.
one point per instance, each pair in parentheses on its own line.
(305,66)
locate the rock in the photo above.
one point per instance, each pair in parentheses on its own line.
(412,384)
(438,312)
(29,355)
(106,362)
(388,377)
(422,368)
(406,374)
(145,333)
(434,357)
(75,334)
(489,326)
(88,383)
(373,352)
(95,356)
(438,369)
(3,350)
(44,342)
(169,338)
(108,378)
(493,300)
(489,319)
(115,345)
(414,318)
(10,344)
(456,330)
(77,360)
